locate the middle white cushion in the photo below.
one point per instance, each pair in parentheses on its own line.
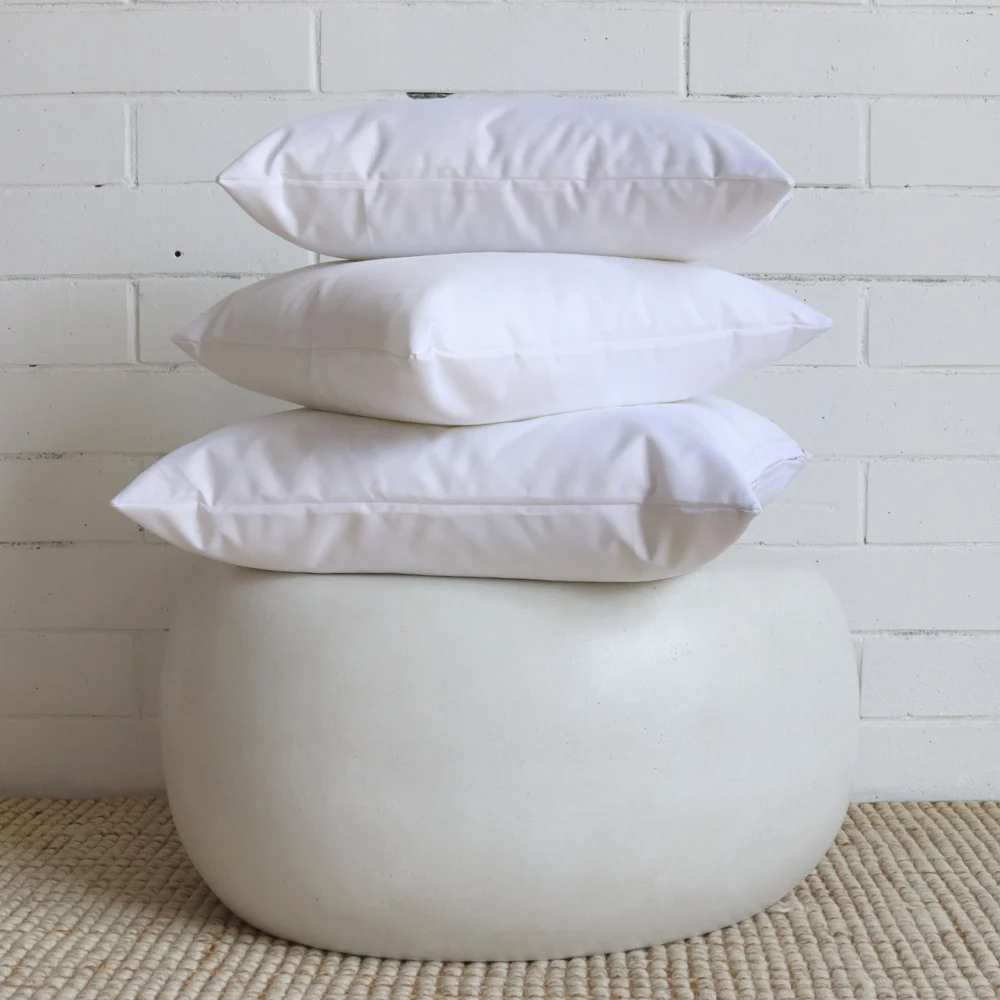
(489,337)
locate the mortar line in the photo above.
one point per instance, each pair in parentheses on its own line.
(865,325)
(132,320)
(867,146)
(686,53)
(863,513)
(132,144)
(316,45)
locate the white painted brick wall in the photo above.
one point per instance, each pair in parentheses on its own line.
(115,118)
(939,324)
(37,134)
(879,233)
(110,51)
(48,499)
(906,588)
(903,676)
(63,322)
(938,501)
(843,52)
(117,410)
(846,412)
(508,46)
(102,586)
(936,143)
(187,229)
(75,674)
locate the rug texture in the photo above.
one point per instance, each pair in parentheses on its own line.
(97,900)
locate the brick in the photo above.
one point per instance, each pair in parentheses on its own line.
(841,412)
(925,675)
(135,231)
(900,588)
(430,47)
(916,587)
(843,302)
(79,757)
(966,137)
(938,3)
(940,323)
(883,232)
(842,52)
(934,501)
(63,322)
(84,673)
(102,587)
(64,500)
(166,305)
(825,2)
(183,140)
(820,507)
(77,141)
(817,142)
(929,760)
(154,50)
(150,648)
(47,410)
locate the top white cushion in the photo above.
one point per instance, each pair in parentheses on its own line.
(565,175)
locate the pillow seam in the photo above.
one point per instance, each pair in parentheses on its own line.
(605,345)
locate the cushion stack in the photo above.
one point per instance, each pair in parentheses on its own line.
(505,372)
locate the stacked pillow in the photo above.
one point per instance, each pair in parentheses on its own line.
(506,375)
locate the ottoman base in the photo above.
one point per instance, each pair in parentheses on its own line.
(476,770)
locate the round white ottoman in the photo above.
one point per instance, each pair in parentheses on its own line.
(475,770)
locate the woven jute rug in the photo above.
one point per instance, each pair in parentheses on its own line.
(98,900)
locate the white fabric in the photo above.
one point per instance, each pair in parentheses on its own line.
(633,493)
(481,338)
(574,175)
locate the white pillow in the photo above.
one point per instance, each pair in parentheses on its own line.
(634,493)
(575,175)
(481,338)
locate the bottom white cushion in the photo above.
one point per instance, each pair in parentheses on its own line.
(631,493)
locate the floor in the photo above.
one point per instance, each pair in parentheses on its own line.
(97,900)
